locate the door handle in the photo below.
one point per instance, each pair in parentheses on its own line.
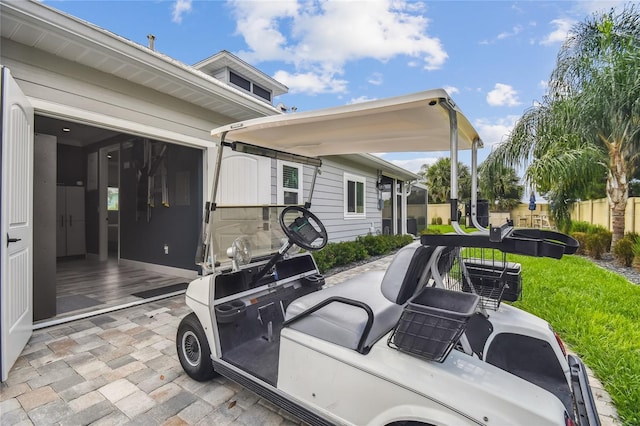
(12,240)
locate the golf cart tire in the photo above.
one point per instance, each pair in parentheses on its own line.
(193,349)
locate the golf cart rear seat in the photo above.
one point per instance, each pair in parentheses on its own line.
(357,313)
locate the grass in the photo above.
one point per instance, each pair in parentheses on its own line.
(595,311)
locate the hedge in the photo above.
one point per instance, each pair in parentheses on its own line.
(346,252)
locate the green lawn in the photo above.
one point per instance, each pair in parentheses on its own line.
(597,313)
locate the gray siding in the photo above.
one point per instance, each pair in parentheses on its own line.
(328,200)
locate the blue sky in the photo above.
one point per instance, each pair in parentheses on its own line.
(494,57)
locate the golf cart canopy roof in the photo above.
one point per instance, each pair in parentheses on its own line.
(410,123)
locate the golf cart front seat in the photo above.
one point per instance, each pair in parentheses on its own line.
(357,313)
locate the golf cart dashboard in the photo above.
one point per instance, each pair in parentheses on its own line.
(235,282)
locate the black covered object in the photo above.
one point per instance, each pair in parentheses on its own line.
(487,272)
(482,213)
(432,323)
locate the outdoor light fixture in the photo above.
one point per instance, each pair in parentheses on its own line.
(66,129)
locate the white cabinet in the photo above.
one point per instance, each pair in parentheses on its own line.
(70,226)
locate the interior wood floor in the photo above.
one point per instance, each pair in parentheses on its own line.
(84,284)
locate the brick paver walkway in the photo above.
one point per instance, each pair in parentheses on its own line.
(122,368)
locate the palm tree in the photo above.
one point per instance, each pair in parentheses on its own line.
(589,122)
(500,186)
(437,177)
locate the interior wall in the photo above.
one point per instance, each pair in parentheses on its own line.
(72,165)
(44,227)
(176,226)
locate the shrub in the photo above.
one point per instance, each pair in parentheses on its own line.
(438,220)
(636,248)
(348,252)
(375,245)
(340,254)
(605,235)
(434,220)
(633,236)
(623,251)
(430,231)
(325,258)
(401,240)
(581,238)
(597,243)
(581,226)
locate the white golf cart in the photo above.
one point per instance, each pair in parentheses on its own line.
(426,342)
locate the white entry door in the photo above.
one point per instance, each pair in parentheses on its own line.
(16,216)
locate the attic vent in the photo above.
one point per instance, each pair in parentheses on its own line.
(239,81)
(249,86)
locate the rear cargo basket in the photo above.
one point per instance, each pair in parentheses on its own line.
(488,276)
(484,272)
(432,323)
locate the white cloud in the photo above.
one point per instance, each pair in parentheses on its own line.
(180,7)
(503,95)
(361,99)
(451,89)
(311,83)
(414,164)
(506,34)
(559,35)
(322,37)
(375,79)
(493,132)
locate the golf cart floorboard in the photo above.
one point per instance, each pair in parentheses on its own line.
(258,357)
(270,393)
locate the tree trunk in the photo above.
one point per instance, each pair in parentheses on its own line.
(617,191)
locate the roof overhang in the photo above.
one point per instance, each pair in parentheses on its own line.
(225,59)
(387,168)
(37,25)
(411,123)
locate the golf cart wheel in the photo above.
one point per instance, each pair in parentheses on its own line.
(193,349)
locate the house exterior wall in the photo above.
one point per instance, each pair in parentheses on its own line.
(328,199)
(59,87)
(68,90)
(71,91)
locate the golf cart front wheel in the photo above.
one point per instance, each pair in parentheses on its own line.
(193,349)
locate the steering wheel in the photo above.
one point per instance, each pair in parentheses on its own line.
(305,230)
